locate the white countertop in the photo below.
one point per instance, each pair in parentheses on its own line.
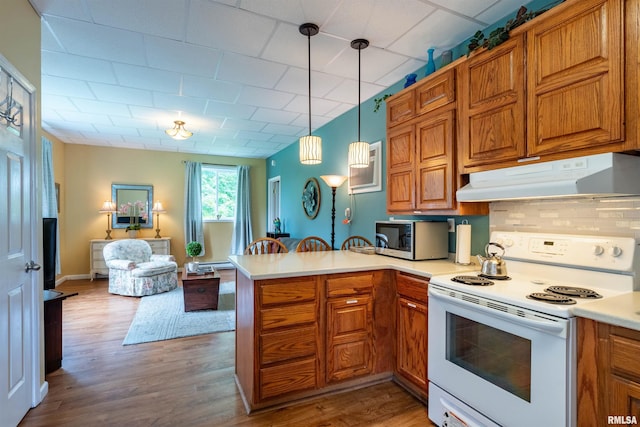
(622,310)
(292,264)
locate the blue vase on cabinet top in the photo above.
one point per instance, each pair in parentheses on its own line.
(431,65)
(411,79)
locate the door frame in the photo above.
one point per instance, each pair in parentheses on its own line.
(274,185)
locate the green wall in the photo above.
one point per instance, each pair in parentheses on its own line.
(366,207)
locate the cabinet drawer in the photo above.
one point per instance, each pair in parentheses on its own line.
(291,315)
(286,345)
(412,287)
(624,355)
(351,284)
(288,292)
(159,247)
(287,378)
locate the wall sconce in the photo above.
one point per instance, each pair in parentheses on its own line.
(158,209)
(108,207)
(178,131)
(333,181)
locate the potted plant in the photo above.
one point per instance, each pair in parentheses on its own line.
(193,250)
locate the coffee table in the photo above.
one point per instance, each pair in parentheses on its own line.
(200,290)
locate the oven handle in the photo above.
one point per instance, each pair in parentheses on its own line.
(545,325)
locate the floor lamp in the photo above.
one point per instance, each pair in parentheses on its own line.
(109,208)
(333,181)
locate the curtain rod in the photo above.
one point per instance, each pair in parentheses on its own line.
(184,162)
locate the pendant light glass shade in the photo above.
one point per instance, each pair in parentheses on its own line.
(310,150)
(178,131)
(310,146)
(359,150)
(359,154)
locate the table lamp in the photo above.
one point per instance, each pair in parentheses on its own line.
(108,207)
(158,209)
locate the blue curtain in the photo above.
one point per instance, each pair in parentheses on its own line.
(49,200)
(193,229)
(242,234)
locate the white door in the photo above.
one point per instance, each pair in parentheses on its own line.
(19,296)
(273,202)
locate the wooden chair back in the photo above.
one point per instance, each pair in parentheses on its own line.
(265,245)
(313,244)
(355,241)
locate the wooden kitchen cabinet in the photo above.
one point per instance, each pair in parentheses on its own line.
(492,106)
(422,175)
(556,89)
(412,337)
(608,374)
(350,346)
(288,340)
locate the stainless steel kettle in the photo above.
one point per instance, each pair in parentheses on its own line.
(493,265)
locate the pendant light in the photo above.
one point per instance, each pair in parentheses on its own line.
(359,150)
(310,145)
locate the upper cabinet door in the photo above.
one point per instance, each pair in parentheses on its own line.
(575,80)
(492,106)
(401,108)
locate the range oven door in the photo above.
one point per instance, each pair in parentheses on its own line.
(508,364)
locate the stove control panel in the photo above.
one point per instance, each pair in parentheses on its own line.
(597,252)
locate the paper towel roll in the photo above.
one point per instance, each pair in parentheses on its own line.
(463,244)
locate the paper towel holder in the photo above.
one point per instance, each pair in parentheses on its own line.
(460,257)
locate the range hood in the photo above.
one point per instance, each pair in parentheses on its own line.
(600,175)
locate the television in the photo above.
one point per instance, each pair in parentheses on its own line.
(49,237)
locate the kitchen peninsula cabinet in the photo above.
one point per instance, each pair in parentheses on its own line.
(301,336)
(422,176)
(556,89)
(608,373)
(411,333)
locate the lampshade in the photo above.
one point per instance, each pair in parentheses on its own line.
(359,154)
(359,150)
(108,207)
(178,131)
(310,150)
(333,180)
(157,208)
(310,146)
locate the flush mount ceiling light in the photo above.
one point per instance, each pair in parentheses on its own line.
(359,150)
(178,131)
(310,145)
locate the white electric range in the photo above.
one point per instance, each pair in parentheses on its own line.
(499,357)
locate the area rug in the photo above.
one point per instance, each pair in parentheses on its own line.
(162,317)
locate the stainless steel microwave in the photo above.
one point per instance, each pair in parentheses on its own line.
(413,240)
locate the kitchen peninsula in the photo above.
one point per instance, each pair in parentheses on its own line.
(320,322)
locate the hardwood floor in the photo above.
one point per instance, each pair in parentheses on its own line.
(179,382)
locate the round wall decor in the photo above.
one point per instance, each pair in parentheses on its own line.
(311,198)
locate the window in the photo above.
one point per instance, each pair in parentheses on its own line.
(219,185)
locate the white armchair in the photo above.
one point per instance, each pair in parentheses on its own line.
(135,271)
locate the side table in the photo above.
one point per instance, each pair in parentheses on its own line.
(200,290)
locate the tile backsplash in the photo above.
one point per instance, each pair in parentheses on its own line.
(613,216)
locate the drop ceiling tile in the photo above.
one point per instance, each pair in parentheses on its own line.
(93,106)
(165,18)
(66,87)
(75,9)
(239,124)
(220,26)
(64,127)
(371,20)
(283,139)
(347,92)
(316,122)
(407,67)
(210,88)
(147,78)
(288,46)
(296,80)
(500,10)
(319,106)
(268,98)
(375,63)
(116,130)
(242,69)
(94,41)
(181,57)
(179,103)
(94,119)
(61,102)
(274,116)
(223,109)
(293,11)
(125,95)
(465,7)
(257,136)
(77,67)
(283,129)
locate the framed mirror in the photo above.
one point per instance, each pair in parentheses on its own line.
(133,204)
